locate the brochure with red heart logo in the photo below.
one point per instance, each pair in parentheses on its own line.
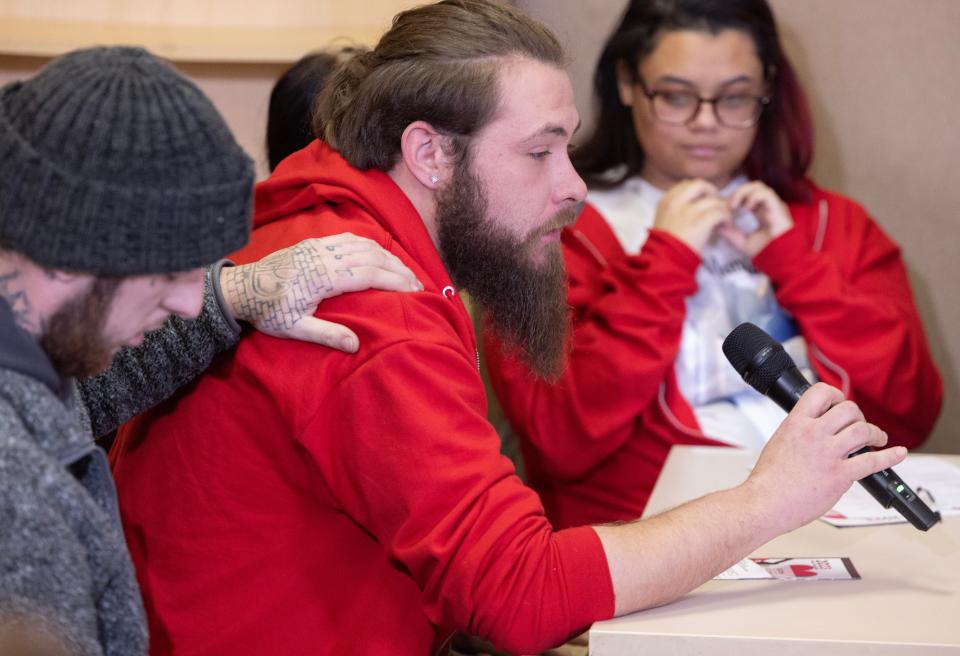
(792,569)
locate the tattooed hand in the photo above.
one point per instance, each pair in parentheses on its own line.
(280,293)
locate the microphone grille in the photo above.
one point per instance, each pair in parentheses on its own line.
(744,344)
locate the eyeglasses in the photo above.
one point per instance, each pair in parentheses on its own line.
(735,110)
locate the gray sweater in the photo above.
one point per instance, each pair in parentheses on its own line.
(62,551)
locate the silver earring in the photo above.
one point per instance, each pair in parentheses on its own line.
(434,179)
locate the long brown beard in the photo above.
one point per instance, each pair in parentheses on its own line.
(525,304)
(73,336)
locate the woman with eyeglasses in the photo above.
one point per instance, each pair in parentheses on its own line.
(700,216)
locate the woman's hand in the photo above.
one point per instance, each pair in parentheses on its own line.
(771,212)
(279,294)
(690,211)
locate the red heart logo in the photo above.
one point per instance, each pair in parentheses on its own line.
(803,570)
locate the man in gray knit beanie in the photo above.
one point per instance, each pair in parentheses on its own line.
(119,182)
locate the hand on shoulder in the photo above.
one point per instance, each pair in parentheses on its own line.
(280,293)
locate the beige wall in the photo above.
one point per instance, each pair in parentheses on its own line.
(193,30)
(883,83)
(885,91)
(240,91)
(234,49)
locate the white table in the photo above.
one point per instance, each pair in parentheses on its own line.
(907,602)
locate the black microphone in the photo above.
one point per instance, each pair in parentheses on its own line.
(767,368)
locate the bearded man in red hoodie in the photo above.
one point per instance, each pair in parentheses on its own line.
(327,503)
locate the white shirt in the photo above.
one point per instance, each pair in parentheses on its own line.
(730,291)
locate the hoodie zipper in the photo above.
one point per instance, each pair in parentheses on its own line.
(450,293)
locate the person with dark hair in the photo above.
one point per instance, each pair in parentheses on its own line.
(120,186)
(700,216)
(293,103)
(359,504)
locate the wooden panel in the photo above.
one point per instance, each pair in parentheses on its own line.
(194,30)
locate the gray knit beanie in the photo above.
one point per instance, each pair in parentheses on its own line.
(113,163)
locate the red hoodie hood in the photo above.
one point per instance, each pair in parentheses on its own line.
(318,175)
(315,192)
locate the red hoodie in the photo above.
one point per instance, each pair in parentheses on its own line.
(298,500)
(595,441)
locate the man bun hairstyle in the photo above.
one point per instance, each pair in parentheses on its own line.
(438,64)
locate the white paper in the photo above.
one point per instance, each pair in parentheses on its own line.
(935,480)
(746,569)
(791,569)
